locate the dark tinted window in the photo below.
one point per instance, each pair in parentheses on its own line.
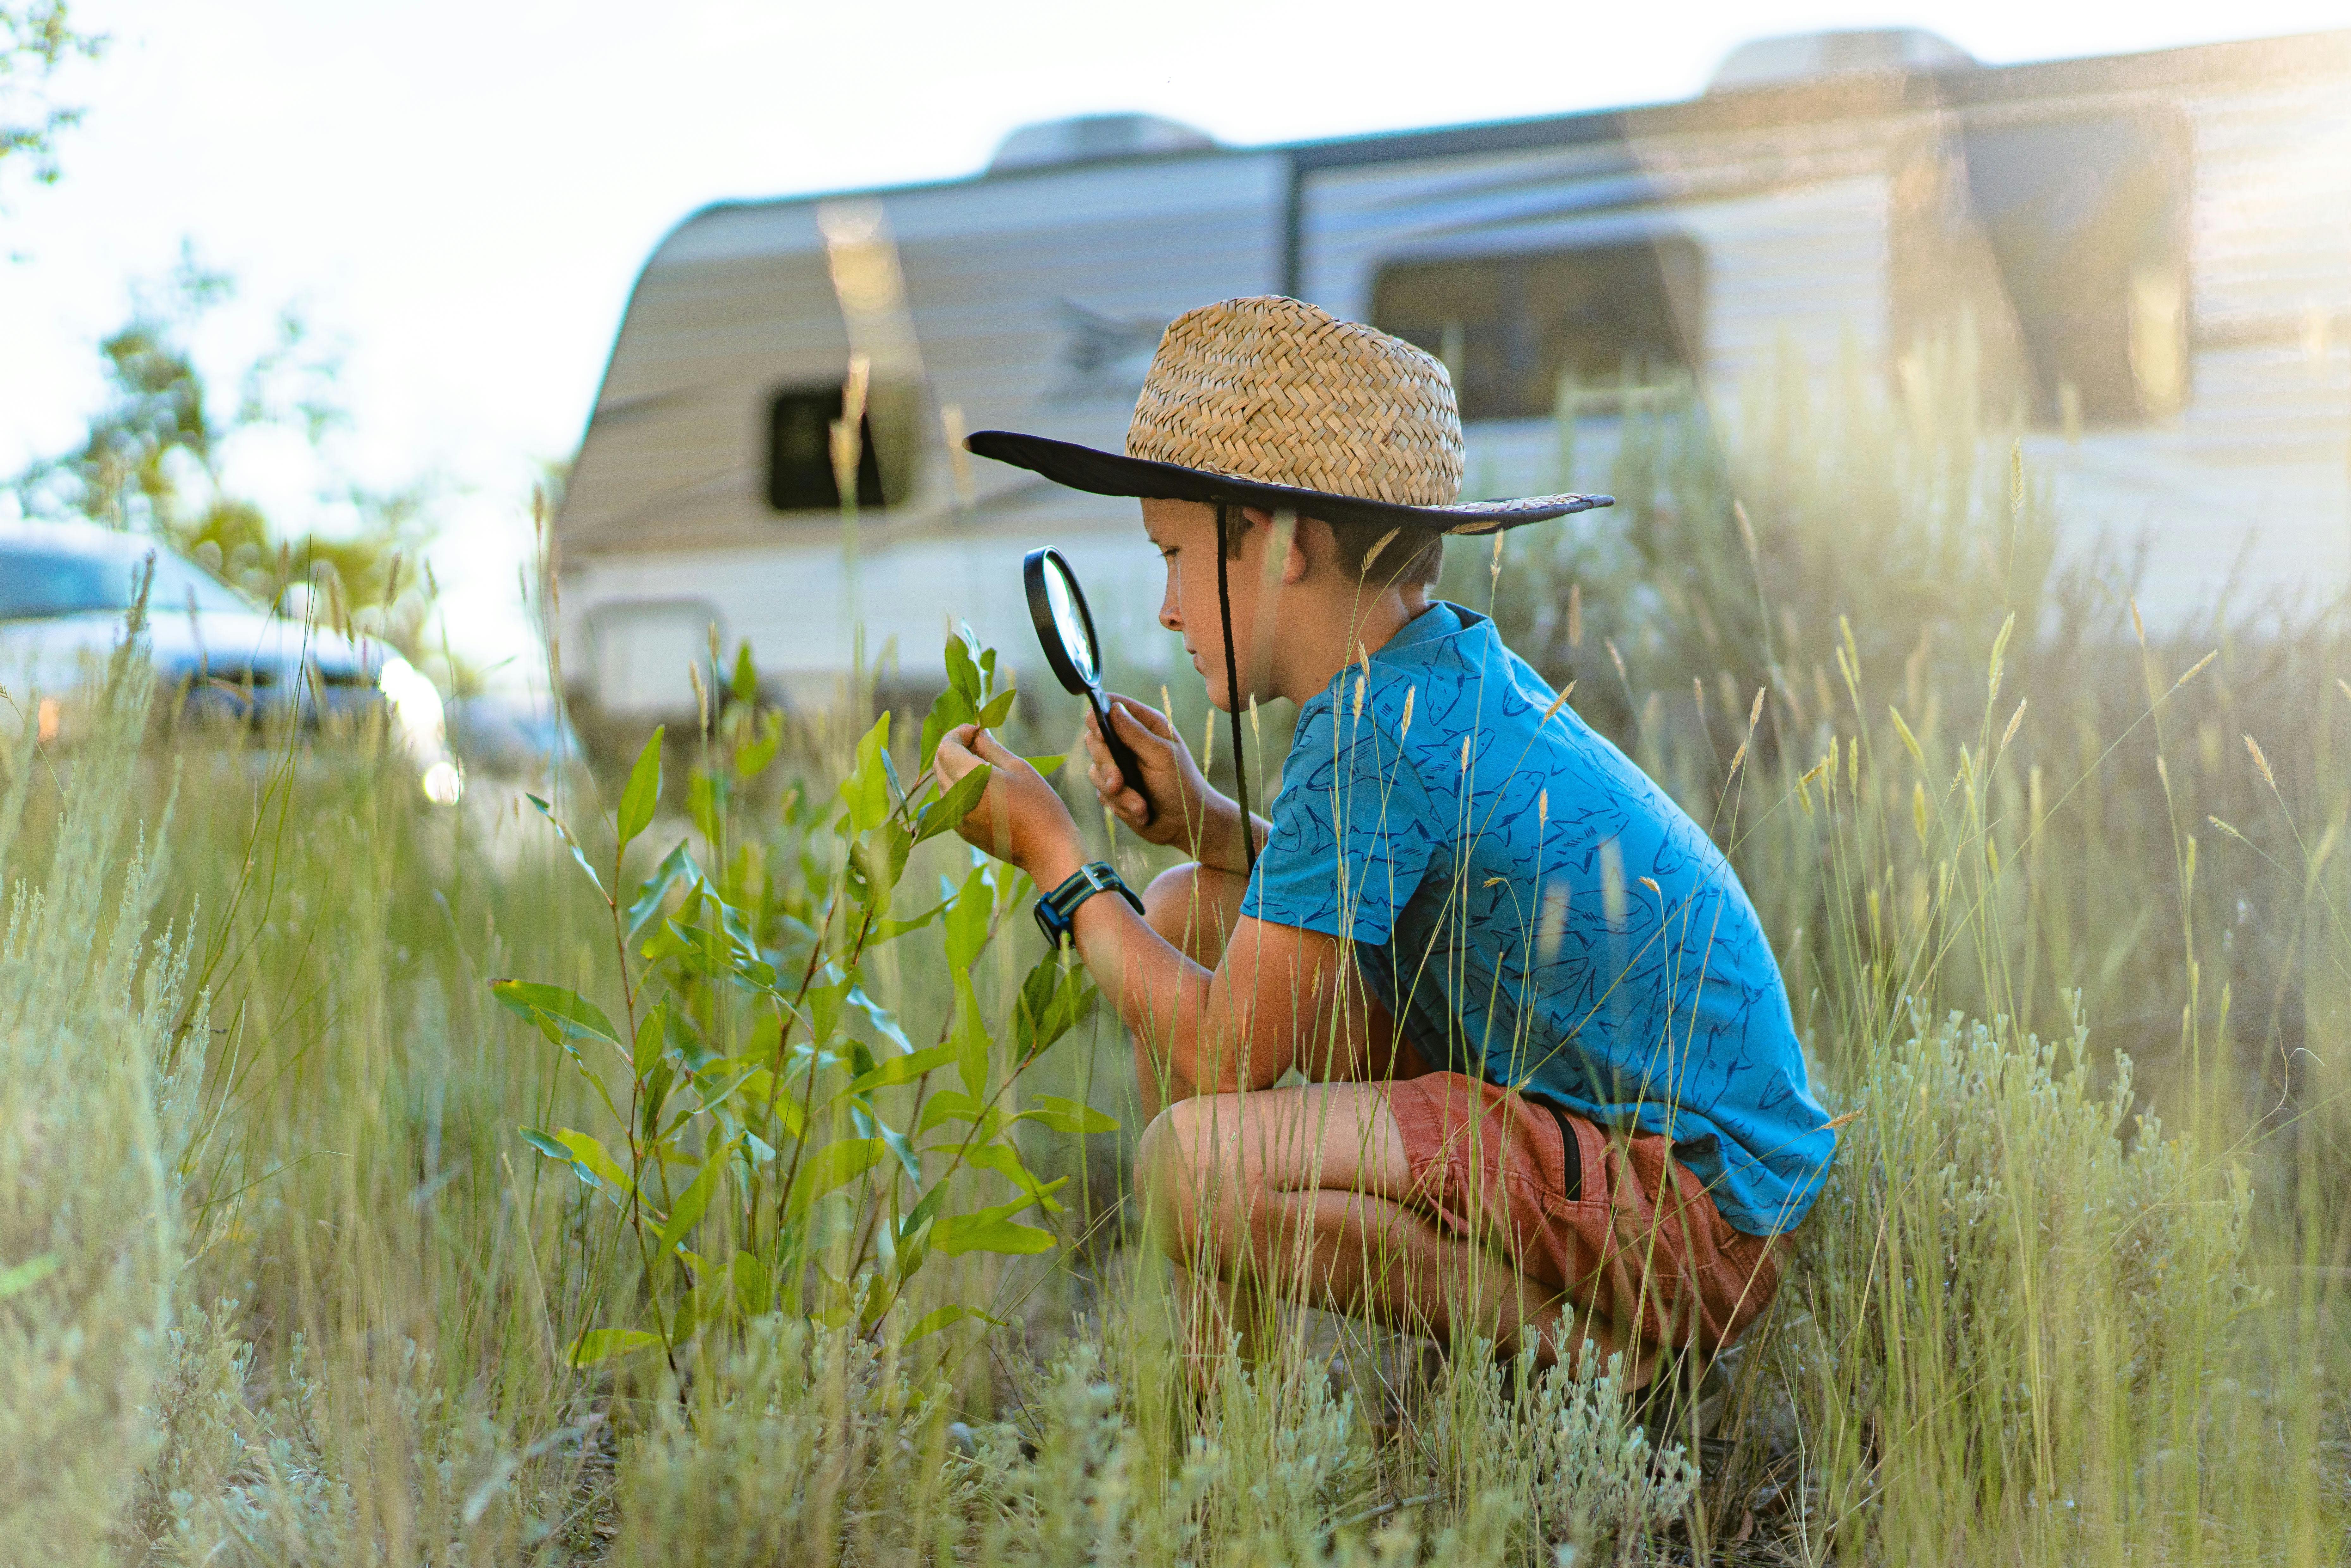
(2087,221)
(1513,326)
(36,582)
(799,454)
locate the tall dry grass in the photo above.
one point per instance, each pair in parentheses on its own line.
(285,1285)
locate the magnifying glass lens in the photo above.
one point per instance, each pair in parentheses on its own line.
(1070,623)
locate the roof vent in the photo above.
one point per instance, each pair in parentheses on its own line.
(1796,57)
(1089,136)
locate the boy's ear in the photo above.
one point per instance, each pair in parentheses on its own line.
(1287,551)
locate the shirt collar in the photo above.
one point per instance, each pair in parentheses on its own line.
(1423,632)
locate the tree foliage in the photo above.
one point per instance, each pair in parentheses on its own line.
(36,37)
(154,460)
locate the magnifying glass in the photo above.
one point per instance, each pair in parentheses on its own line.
(1065,629)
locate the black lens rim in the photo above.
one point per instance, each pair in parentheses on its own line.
(1049,631)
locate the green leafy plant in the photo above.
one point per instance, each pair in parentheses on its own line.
(762,1161)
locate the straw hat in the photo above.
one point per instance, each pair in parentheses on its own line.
(1274,402)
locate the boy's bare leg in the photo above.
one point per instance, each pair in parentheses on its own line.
(1306,1190)
(1195,907)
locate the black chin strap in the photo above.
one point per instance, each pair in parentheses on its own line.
(1225,512)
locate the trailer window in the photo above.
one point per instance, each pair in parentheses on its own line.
(2088,220)
(1511,329)
(799,452)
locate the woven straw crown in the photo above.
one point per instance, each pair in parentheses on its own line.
(1281,392)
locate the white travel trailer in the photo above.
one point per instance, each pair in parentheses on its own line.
(2156,249)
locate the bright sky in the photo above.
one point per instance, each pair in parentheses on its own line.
(462,190)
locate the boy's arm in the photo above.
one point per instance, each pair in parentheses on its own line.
(1272,1001)
(1277,996)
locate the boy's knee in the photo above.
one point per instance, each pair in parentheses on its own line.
(1183,904)
(1173,890)
(1172,1172)
(1160,1160)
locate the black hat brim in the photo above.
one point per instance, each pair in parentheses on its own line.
(1115,474)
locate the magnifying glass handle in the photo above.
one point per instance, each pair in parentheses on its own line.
(1129,771)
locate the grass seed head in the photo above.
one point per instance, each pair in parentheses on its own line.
(2261,763)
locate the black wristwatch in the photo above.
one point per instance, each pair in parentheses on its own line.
(1055,909)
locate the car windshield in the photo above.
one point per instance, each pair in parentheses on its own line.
(37,580)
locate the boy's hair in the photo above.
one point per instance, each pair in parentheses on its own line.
(1412,558)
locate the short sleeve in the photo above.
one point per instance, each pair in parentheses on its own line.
(1353,831)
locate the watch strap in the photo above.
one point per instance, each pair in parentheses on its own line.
(1055,911)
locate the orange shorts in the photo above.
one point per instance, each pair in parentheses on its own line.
(1639,1243)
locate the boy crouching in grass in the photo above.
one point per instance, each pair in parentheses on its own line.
(1552,1091)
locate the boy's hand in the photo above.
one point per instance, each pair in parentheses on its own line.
(1170,776)
(1018,817)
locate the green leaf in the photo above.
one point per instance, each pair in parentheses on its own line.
(1052,998)
(834,1165)
(745,684)
(884,930)
(865,794)
(925,1209)
(946,1106)
(968,1033)
(28,1274)
(588,1154)
(643,790)
(555,1149)
(600,1344)
(899,1144)
(560,1013)
(999,707)
(752,758)
(963,676)
(1047,764)
(565,834)
(650,1034)
(966,920)
(1068,1115)
(877,862)
(695,1200)
(949,709)
(945,1317)
(884,1022)
(1005,1160)
(952,805)
(706,802)
(716,954)
(904,1069)
(545,1144)
(986,1232)
(751,1285)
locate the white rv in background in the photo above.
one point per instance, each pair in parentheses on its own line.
(2157,247)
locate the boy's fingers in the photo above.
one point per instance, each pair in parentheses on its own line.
(1148,719)
(994,751)
(1136,733)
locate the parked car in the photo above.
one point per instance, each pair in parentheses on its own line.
(66,587)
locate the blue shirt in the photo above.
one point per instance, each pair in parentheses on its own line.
(1532,908)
